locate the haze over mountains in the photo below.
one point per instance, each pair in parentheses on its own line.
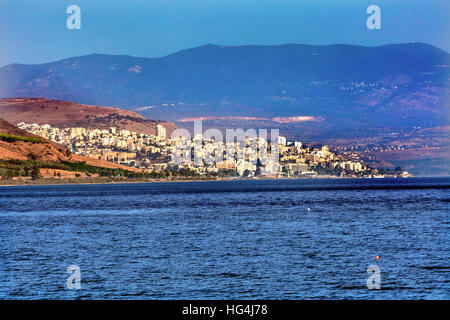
(339,86)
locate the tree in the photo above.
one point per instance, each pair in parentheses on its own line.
(35,173)
(32,156)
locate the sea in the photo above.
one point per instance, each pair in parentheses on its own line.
(245,239)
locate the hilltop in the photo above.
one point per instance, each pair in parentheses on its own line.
(64,114)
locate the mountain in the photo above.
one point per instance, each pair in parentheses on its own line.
(71,114)
(343,86)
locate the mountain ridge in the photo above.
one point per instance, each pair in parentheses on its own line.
(212,45)
(348,86)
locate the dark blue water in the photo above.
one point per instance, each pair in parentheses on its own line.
(221,240)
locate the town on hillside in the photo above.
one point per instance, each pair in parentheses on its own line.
(153,153)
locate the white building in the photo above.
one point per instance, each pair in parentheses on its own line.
(282,140)
(161,132)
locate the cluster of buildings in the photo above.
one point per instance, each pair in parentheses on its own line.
(155,153)
(119,146)
(367,147)
(293,159)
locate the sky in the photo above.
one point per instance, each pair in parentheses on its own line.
(35,31)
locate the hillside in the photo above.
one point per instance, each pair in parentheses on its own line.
(22,150)
(70,114)
(341,85)
(45,151)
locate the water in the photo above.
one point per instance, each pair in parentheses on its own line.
(227,240)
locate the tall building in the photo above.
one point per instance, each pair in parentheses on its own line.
(160,132)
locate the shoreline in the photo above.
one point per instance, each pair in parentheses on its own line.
(96,181)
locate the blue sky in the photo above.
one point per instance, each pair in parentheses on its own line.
(35,31)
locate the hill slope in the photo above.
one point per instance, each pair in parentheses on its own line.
(47,151)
